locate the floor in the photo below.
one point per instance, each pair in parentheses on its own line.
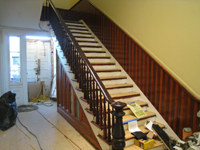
(49,136)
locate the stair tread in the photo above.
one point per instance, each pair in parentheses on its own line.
(141,103)
(111,77)
(75,29)
(132,147)
(80,41)
(109,70)
(76,26)
(131,117)
(135,147)
(84,37)
(98,57)
(118,86)
(124,94)
(76,32)
(93,51)
(70,21)
(90,46)
(128,134)
(102,63)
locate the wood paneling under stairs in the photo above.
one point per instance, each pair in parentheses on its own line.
(178,107)
(69,107)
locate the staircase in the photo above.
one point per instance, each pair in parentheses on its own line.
(102,86)
(118,84)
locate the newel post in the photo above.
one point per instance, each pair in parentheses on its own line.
(118,134)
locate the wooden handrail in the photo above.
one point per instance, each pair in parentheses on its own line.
(94,90)
(94,74)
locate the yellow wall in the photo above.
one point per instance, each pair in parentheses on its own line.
(168,29)
(63,4)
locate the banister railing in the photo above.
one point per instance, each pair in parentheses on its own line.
(95,93)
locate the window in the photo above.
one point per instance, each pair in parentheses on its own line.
(14,52)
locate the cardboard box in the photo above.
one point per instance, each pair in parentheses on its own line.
(145,144)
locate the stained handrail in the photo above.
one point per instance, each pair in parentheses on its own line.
(102,114)
(92,71)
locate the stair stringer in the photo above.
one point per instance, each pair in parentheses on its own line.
(90,117)
(79,94)
(151,108)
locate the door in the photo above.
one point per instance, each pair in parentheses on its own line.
(39,62)
(32,62)
(13,60)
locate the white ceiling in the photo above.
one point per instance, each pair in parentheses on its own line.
(20,13)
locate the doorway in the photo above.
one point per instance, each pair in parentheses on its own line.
(13,62)
(39,65)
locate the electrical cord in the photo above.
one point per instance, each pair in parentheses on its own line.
(58,129)
(27,136)
(44,103)
(31,107)
(27,108)
(30,132)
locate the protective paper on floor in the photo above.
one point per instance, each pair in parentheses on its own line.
(137,110)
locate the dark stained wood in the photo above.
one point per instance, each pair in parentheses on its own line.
(64,106)
(174,102)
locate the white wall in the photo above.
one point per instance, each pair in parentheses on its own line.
(63,4)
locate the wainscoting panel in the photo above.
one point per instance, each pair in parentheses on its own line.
(69,107)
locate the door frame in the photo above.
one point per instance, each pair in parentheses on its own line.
(5,84)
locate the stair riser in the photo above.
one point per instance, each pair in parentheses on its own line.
(129,142)
(104,67)
(72,30)
(99,60)
(131,99)
(73,27)
(91,48)
(120,90)
(73,24)
(112,82)
(140,122)
(82,35)
(162,147)
(95,54)
(105,74)
(88,43)
(84,39)
(129,112)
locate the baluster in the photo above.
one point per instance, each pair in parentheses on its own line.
(90,91)
(73,59)
(97,105)
(100,109)
(86,95)
(80,72)
(76,65)
(109,126)
(113,119)
(104,118)
(83,76)
(118,134)
(93,97)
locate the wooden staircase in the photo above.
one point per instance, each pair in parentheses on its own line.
(118,84)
